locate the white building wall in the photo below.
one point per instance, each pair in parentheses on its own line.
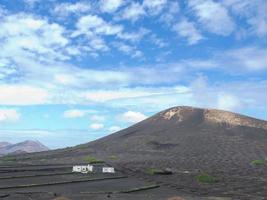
(108,170)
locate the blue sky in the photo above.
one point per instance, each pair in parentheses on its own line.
(74,71)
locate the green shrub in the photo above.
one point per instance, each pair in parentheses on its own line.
(153,171)
(113,157)
(92,160)
(206,178)
(258,162)
(8,158)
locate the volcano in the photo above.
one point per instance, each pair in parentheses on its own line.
(188,142)
(188,138)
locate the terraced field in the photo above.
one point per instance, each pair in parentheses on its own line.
(25,181)
(58,182)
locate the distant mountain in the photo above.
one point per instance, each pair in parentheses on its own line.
(27,146)
(4,144)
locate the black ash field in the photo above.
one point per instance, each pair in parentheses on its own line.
(180,153)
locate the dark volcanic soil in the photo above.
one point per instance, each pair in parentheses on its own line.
(189,141)
(58,182)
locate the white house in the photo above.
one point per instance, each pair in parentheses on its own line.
(90,168)
(82,168)
(76,168)
(108,170)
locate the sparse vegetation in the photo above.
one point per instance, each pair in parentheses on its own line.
(8,158)
(258,162)
(92,160)
(206,178)
(113,157)
(24,158)
(153,171)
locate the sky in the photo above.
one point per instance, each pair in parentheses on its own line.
(74,71)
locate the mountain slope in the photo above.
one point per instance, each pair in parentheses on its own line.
(4,144)
(191,138)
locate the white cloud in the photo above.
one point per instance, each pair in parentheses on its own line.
(37,52)
(133,117)
(114,129)
(228,102)
(259,25)
(102,96)
(251,58)
(134,36)
(154,7)
(213,16)
(127,49)
(98,44)
(157,74)
(248,59)
(254,13)
(22,95)
(27,26)
(158,41)
(65,79)
(198,64)
(73,85)
(53,80)
(98,118)
(170,15)
(154,103)
(133,12)
(108,95)
(87,22)
(187,29)
(2,11)
(110,6)
(28,41)
(233,95)
(94,28)
(93,24)
(96,126)
(201,92)
(6,68)
(9,115)
(64,9)
(31,3)
(74,113)
(240,6)
(73,76)
(148,98)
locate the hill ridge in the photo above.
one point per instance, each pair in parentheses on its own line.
(181,113)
